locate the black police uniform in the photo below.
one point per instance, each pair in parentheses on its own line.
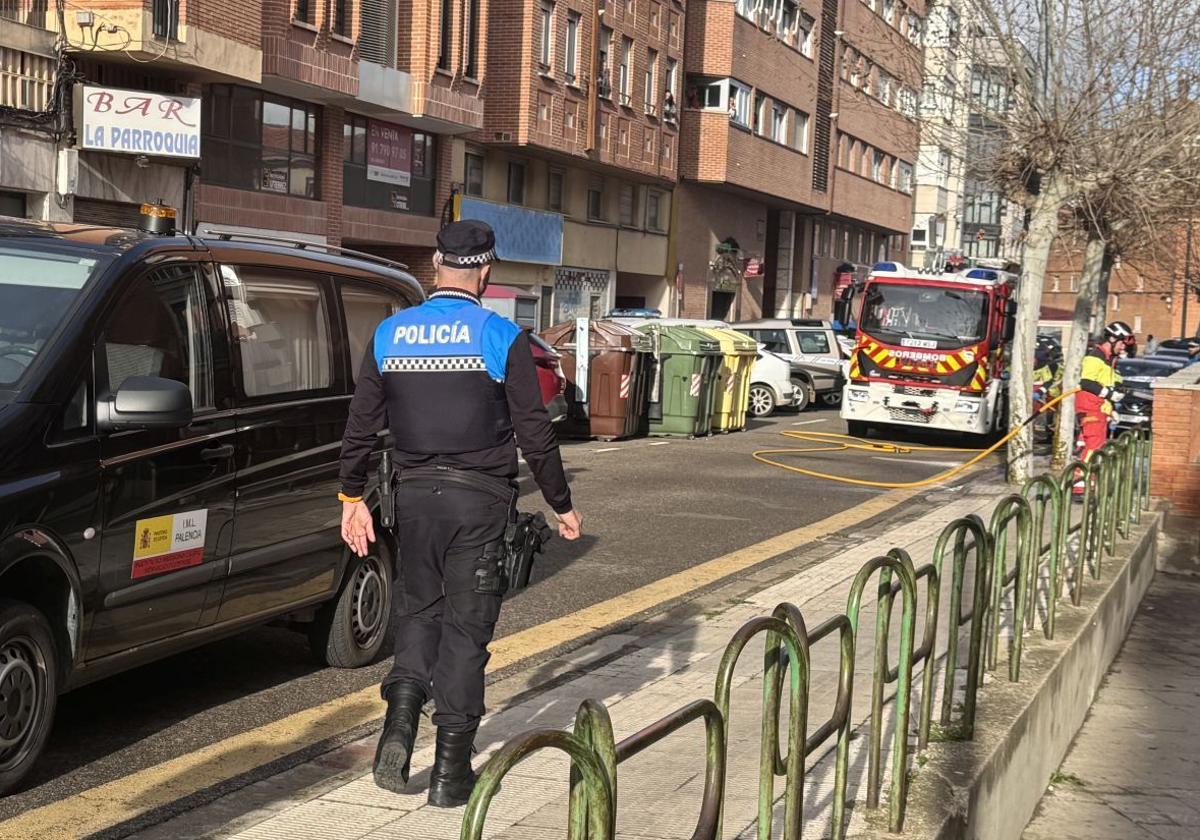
(455,383)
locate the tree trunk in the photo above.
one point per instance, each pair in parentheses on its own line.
(1076,345)
(1106,267)
(1043,224)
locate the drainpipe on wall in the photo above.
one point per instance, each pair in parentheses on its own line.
(593,95)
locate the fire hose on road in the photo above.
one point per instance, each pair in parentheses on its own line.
(834,442)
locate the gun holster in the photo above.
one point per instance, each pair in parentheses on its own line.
(525,537)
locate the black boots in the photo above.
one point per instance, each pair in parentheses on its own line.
(393,756)
(452,780)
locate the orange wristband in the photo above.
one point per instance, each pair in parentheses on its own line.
(342,497)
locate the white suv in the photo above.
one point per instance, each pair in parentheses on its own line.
(812,348)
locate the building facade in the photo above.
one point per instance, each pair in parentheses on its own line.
(797,150)
(325,122)
(1157,296)
(576,163)
(958,211)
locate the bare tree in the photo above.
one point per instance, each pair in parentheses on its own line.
(1096,127)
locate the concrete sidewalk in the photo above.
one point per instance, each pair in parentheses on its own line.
(1133,772)
(651,674)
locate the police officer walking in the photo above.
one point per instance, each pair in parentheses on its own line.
(455,383)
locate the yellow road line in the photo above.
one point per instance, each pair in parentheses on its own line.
(125,798)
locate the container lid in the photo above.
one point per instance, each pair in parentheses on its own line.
(680,339)
(602,335)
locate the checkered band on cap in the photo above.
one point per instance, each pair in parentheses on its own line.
(473,260)
(432,364)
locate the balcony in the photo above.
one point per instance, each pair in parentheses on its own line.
(858,197)
(716,151)
(210,47)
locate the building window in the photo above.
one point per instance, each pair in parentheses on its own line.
(944,163)
(655,19)
(674,29)
(444,35)
(760,114)
(739,103)
(883,88)
(596,200)
(626,205)
(626,59)
(571,62)
(888,11)
(877,162)
(545,36)
(747,8)
(554,190)
(651,81)
(604,83)
(799,138)
(708,94)
(303,11)
(516,183)
(165,19)
(654,210)
(779,123)
(473,180)
(341,17)
(804,37)
(905,177)
(472,69)
(365,184)
(256,141)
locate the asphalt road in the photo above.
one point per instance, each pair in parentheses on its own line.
(651,508)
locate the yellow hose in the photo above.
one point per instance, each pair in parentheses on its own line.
(843,443)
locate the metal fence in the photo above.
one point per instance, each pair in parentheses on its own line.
(1040,525)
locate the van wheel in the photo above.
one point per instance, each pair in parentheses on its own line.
(762,400)
(28,689)
(350,630)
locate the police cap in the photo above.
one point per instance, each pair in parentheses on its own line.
(467,244)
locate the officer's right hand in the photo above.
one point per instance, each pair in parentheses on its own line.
(570,525)
(358,527)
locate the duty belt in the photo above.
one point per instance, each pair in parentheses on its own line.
(502,488)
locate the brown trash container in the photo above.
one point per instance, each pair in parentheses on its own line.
(616,384)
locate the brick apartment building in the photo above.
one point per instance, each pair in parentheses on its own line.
(331,122)
(797,149)
(575,165)
(1146,293)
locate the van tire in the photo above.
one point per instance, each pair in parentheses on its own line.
(28,689)
(351,630)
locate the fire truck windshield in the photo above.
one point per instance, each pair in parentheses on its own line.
(933,317)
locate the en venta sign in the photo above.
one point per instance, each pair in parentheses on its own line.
(136,122)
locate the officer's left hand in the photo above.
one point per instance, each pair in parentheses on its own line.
(358,527)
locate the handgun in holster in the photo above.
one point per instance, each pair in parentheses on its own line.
(525,537)
(387,498)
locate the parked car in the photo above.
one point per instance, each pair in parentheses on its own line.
(810,345)
(772,385)
(170,416)
(550,377)
(1181,355)
(1141,371)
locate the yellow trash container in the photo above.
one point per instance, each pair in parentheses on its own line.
(732,397)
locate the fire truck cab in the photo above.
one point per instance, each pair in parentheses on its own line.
(931,351)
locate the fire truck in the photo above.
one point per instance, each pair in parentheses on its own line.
(931,350)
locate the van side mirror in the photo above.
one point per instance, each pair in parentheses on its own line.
(1010,328)
(146,402)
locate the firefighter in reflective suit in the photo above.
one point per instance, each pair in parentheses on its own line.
(1098,381)
(456,384)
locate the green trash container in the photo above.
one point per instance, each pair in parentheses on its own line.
(685,366)
(731,395)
